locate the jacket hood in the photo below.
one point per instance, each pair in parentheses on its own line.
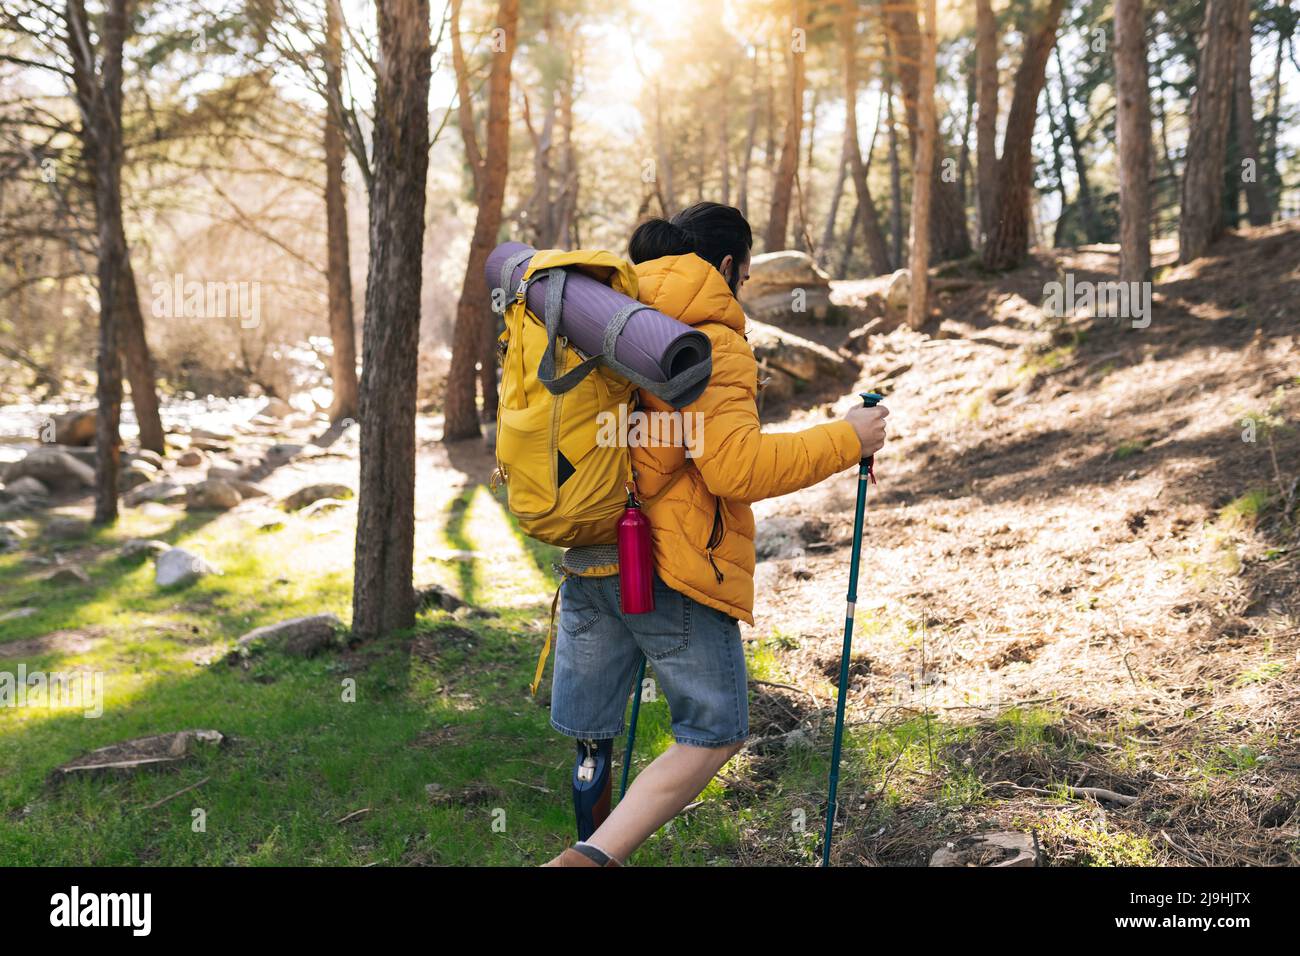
(690,290)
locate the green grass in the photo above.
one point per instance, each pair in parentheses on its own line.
(443,748)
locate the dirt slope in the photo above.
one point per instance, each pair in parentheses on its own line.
(1068,520)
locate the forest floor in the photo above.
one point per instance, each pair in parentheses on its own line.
(1078,572)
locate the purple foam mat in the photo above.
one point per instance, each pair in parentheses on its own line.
(653,344)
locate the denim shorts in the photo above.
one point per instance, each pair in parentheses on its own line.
(695,653)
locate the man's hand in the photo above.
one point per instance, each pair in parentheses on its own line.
(869,423)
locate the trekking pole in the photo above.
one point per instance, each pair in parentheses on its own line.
(631,730)
(869,399)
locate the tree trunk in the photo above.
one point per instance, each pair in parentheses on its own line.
(129,321)
(1257,204)
(927,132)
(986,123)
(383,597)
(135,353)
(742,198)
(1133,141)
(343,363)
(1201,216)
(949,238)
(877,251)
(783,185)
(837,193)
(1087,218)
(99,97)
(475,320)
(1286,26)
(1058,168)
(1008,241)
(895,182)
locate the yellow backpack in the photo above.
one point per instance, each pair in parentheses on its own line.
(565,485)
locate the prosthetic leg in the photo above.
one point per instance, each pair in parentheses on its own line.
(592,784)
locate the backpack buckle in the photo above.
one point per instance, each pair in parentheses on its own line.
(521,292)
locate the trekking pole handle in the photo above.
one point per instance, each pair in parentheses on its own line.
(870,400)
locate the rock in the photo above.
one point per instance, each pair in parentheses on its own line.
(212,495)
(224,471)
(898,295)
(435,595)
(27,487)
(135,474)
(139,548)
(322,507)
(87,456)
(141,753)
(180,567)
(9,531)
(282,451)
(299,637)
(988,849)
(276,408)
(797,356)
(858,341)
(206,434)
(67,574)
(191,458)
(53,467)
(785,268)
(785,287)
(63,528)
(786,536)
(248,489)
(155,491)
(148,457)
(73,428)
(17,613)
(305,496)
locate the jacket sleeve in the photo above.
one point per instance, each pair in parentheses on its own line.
(740,462)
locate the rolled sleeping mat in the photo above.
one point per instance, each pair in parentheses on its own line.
(668,358)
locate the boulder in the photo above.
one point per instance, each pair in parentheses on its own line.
(299,637)
(191,458)
(248,489)
(276,408)
(898,295)
(786,287)
(135,474)
(53,467)
(799,357)
(180,567)
(17,614)
(147,456)
(73,428)
(27,487)
(212,495)
(322,506)
(305,496)
(160,491)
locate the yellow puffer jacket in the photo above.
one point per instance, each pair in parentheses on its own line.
(702,525)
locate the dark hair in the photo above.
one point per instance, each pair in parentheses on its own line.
(710,230)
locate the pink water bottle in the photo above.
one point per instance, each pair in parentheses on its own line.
(636,567)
